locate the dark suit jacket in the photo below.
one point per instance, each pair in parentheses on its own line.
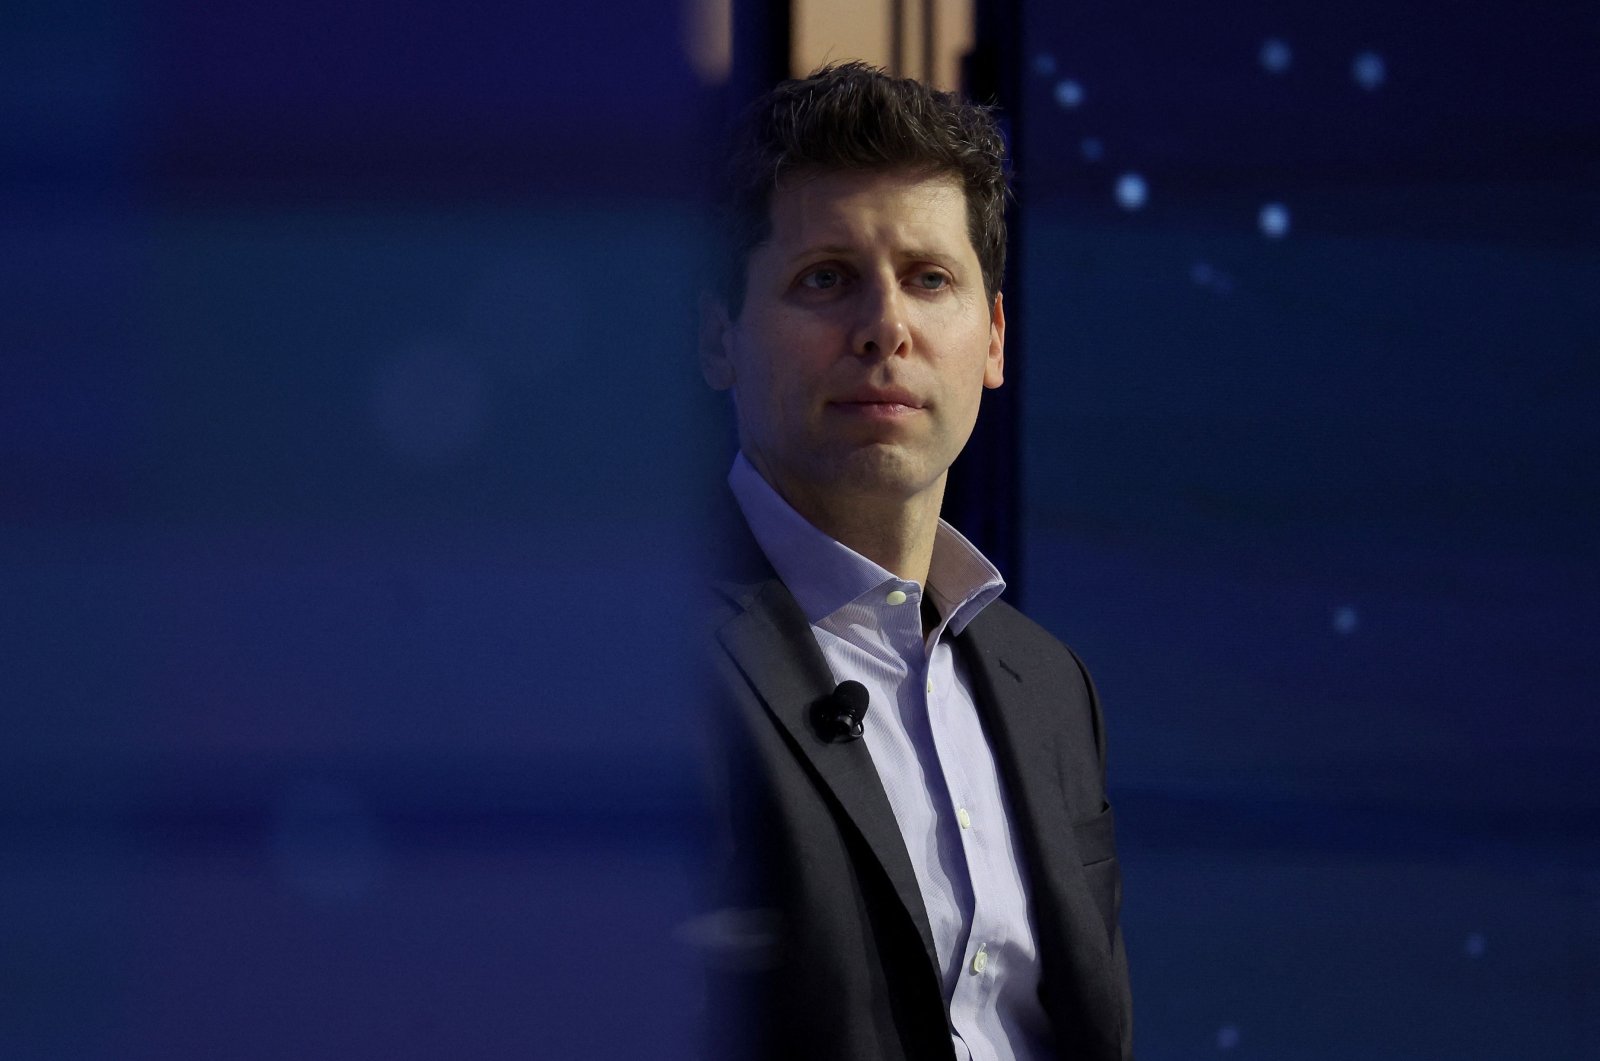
(828,950)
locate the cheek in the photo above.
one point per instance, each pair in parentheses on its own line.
(773,391)
(793,370)
(786,364)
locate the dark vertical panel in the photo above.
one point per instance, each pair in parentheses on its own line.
(761,46)
(983,497)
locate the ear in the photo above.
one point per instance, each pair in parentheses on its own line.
(715,364)
(994,369)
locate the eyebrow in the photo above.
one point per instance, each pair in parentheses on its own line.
(909,254)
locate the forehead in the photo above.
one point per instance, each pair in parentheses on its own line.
(869,206)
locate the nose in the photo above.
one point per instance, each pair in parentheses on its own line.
(883,328)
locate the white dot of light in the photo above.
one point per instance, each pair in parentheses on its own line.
(1476,945)
(1345,620)
(1131,191)
(1274,220)
(1044,64)
(1069,94)
(1227,1037)
(1092,149)
(1368,71)
(1275,55)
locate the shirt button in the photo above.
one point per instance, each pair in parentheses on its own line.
(963,817)
(930,685)
(980,960)
(896,596)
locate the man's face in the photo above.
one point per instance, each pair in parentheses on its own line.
(865,340)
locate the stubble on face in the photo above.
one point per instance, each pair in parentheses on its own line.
(865,341)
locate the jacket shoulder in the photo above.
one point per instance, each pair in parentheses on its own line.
(1014,634)
(1015,643)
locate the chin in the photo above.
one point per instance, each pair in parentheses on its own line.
(884,470)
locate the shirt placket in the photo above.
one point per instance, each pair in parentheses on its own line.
(975,989)
(903,616)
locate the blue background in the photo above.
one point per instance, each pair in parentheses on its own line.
(352,452)
(1320,510)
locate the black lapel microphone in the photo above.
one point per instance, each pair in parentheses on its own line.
(838,715)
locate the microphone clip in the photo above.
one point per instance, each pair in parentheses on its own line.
(838,716)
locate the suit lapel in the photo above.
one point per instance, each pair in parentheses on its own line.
(1021,706)
(774,646)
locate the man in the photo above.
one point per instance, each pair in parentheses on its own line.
(934,877)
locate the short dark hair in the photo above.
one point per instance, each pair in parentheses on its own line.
(855,116)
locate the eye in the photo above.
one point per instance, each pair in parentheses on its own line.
(822,279)
(932,281)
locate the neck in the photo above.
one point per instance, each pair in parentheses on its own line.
(896,534)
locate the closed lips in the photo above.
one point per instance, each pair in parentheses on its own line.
(886,397)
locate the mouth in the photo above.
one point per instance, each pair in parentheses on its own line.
(875,401)
(878,405)
(876,410)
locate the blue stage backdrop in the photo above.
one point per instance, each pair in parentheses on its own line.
(1311,389)
(352,452)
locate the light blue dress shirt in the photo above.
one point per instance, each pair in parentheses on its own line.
(930,751)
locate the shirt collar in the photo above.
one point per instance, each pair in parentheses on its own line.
(825,575)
